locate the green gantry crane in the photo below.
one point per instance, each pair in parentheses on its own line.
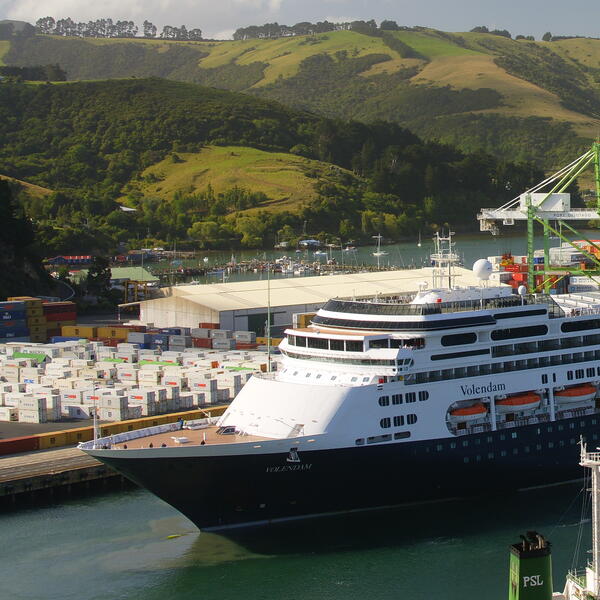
(553,205)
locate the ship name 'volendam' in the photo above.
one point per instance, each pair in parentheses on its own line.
(468,390)
(289,468)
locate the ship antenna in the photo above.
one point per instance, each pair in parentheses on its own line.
(268,318)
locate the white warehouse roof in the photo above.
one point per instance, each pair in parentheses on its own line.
(307,290)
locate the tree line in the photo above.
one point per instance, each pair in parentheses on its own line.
(275,30)
(107,28)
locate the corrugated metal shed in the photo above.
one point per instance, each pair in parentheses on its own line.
(310,290)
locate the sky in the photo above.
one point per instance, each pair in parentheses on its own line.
(219,18)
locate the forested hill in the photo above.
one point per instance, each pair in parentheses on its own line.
(149,142)
(513,98)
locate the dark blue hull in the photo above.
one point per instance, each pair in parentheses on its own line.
(228,491)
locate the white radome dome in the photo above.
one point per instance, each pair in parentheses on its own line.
(522,290)
(482,269)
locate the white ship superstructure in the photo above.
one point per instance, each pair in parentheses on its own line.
(444,392)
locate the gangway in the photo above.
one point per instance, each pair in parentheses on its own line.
(539,206)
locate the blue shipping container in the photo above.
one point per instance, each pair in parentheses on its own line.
(10,334)
(13,315)
(10,306)
(12,325)
(63,338)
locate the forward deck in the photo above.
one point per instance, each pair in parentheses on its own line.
(184,437)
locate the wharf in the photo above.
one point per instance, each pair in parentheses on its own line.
(49,470)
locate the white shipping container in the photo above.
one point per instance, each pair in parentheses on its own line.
(117,402)
(30,403)
(32,416)
(75,411)
(8,413)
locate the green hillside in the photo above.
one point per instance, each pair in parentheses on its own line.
(287,181)
(538,100)
(214,168)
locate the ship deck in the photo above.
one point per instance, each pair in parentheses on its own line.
(195,437)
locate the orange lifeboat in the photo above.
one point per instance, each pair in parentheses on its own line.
(576,394)
(468,413)
(518,403)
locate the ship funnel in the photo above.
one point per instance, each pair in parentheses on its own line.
(530,569)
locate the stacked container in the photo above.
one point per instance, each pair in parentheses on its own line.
(36,321)
(13,322)
(58,315)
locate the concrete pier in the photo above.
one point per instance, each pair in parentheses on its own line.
(49,470)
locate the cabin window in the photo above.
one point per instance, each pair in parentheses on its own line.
(399,435)
(374,439)
(300,341)
(354,379)
(423,395)
(360,442)
(458,339)
(396,398)
(518,332)
(591,372)
(353,346)
(291,339)
(569,375)
(385,423)
(379,343)
(399,421)
(318,343)
(579,373)
(544,378)
(580,325)
(336,345)
(411,419)
(411,397)
(384,401)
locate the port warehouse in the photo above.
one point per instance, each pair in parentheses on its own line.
(242,305)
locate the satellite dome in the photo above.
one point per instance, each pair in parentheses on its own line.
(483,269)
(522,290)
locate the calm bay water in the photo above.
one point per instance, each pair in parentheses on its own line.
(117,546)
(406,254)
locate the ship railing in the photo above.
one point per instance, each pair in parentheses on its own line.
(107,442)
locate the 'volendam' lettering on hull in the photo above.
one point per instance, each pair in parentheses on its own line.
(470,390)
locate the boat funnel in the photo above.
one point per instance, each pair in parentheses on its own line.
(530,569)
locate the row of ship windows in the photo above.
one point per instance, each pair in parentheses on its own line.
(399,398)
(526,450)
(347,361)
(352,345)
(579,374)
(388,437)
(546,345)
(398,421)
(513,365)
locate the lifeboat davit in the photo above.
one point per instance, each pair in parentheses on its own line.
(576,394)
(518,403)
(468,413)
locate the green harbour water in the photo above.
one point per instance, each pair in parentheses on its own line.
(128,545)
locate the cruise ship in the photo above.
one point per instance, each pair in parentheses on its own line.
(381,401)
